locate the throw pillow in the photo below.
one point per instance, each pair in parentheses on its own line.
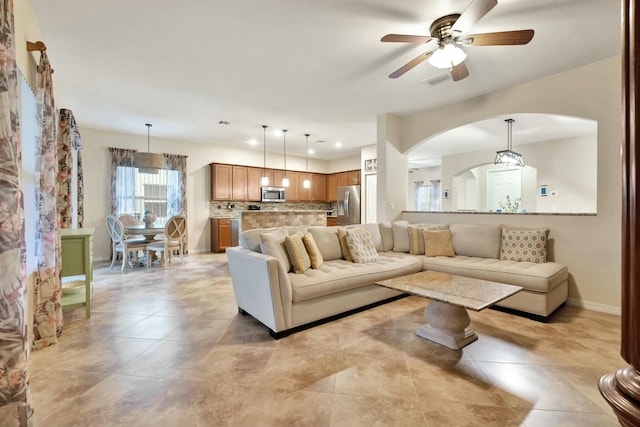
(400,236)
(297,253)
(273,244)
(342,235)
(438,243)
(476,240)
(387,236)
(361,246)
(416,237)
(313,251)
(328,242)
(524,244)
(374,231)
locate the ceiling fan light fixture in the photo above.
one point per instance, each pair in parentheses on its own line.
(508,157)
(148,162)
(447,56)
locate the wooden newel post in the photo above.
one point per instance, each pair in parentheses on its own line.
(622,389)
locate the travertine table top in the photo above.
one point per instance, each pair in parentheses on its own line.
(467,292)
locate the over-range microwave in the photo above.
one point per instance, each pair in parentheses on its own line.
(273,194)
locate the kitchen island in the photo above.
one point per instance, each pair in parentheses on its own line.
(250,220)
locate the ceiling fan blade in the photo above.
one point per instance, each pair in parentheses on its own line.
(459,72)
(409,65)
(503,38)
(405,38)
(472,14)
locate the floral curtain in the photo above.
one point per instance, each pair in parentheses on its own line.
(120,157)
(48,293)
(15,398)
(177,188)
(68,139)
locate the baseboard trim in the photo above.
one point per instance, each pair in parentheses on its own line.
(595,306)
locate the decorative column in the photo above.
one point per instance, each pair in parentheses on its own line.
(622,389)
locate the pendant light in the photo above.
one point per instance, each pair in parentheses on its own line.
(307,182)
(285,180)
(148,162)
(264,181)
(508,157)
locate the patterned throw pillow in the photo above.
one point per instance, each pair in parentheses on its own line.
(297,253)
(361,246)
(524,244)
(313,251)
(438,243)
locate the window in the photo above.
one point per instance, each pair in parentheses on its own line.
(428,196)
(138,192)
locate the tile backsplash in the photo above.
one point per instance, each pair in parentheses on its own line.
(223,209)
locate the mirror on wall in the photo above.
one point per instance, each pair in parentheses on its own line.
(559,175)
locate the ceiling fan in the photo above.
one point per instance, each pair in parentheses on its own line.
(449,33)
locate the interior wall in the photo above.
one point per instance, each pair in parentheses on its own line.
(392,169)
(345,164)
(569,166)
(589,245)
(98,181)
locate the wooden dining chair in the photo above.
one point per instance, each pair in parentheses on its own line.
(174,232)
(128,220)
(121,245)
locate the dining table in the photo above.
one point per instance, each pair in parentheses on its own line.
(149,234)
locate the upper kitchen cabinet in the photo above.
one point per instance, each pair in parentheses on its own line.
(304,194)
(331,187)
(221,179)
(353,177)
(254,177)
(343,179)
(239,183)
(293,191)
(318,193)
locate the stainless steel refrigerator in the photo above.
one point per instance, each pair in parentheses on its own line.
(349,205)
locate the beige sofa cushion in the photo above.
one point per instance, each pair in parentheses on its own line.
(341,275)
(250,239)
(374,232)
(361,246)
(344,247)
(386,233)
(327,240)
(273,244)
(476,240)
(524,244)
(297,252)
(529,275)
(416,237)
(400,236)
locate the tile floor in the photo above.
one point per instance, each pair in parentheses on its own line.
(167,348)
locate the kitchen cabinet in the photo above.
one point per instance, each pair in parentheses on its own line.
(318,193)
(343,179)
(221,181)
(277,178)
(331,188)
(293,191)
(304,194)
(239,183)
(353,177)
(254,176)
(332,221)
(77,260)
(220,234)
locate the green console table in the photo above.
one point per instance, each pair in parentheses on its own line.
(77,255)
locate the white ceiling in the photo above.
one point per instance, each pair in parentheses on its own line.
(304,65)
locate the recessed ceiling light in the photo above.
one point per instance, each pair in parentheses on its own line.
(338,144)
(252,142)
(277,132)
(311,151)
(320,141)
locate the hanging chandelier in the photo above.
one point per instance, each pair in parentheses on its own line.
(509,157)
(148,162)
(264,181)
(285,180)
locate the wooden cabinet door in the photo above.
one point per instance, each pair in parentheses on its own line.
(353,177)
(254,175)
(342,179)
(305,194)
(269,174)
(318,188)
(293,191)
(332,221)
(277,178)
(332,187)
(221,179)
(239,181)
(220,234)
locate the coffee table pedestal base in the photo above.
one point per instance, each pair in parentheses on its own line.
(447,325)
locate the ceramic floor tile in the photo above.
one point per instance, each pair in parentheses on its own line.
(168,347)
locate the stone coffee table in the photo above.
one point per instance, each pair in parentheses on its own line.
(451,295)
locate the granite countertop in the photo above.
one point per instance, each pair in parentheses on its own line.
(283,211)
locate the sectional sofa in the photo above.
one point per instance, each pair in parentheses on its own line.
(267,288)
